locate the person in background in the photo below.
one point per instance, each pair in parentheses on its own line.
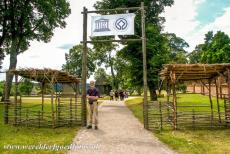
(111,94)
(121,95)
(116,95)
(92,96)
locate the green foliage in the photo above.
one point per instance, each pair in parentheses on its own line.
(216,49)
(103,55)
(74,61)
(1,87)
(26,87)
(181,87)
(100,75)
(177,49)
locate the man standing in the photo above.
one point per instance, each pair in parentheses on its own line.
(93,95)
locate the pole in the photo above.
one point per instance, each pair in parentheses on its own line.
(145,111)
(174,101)
(210,99)
(16,100)
(217,99)
(6,103)
(43,87)
(84,67)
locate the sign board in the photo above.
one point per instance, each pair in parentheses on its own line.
(119,24)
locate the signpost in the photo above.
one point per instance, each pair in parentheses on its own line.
(106,25)
(119,24)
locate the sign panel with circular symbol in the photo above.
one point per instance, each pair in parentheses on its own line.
(117,24)
(121,24)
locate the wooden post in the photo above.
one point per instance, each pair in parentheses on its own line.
(174,101)
(228,85)
(201,89)
(20,108)
(6,108)
(52,108)
(6,99)
(15,99)
(145,104)
(70,111)
(168,96)
(161,118)
(84,68)
(43,86)
(75,102)
(218,80)
(217,99)
(193,119)
(58,110)
(39,119)
(27,117)
(194,88)
(210,99)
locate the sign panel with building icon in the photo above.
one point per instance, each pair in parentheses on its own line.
(119,24)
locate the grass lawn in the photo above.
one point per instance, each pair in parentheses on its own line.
(184,141)
(10,135)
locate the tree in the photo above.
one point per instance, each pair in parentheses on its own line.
(3,28)
(177,47)
(1,87)
(101,75)
(103,55)
(26,87)
(195,55)
(74,61)
(31,20)
(156,44)
(157,55)
(216,48)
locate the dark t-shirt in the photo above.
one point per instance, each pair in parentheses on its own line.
(93,92)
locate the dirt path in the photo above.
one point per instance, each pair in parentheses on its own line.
(119,132)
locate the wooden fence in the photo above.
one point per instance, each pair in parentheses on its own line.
(160,116)
(67,112)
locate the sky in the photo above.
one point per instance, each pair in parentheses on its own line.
(188,19)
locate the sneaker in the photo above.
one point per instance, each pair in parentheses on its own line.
(96,127)
(89,127)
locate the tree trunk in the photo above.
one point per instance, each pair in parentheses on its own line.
(112,72)
(153,93)
(13,64)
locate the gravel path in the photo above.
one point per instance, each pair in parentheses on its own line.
(119,132)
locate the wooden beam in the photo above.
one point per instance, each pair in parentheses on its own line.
(228,71)
(84,68)
(111,10)
(210,99)
(121,41)
(43,86)
(16,100)
(174,101)
(145,111)
(217,99)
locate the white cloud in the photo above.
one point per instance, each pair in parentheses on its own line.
(220,24)
(180,19)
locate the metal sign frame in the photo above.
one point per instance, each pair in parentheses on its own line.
(84,58)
